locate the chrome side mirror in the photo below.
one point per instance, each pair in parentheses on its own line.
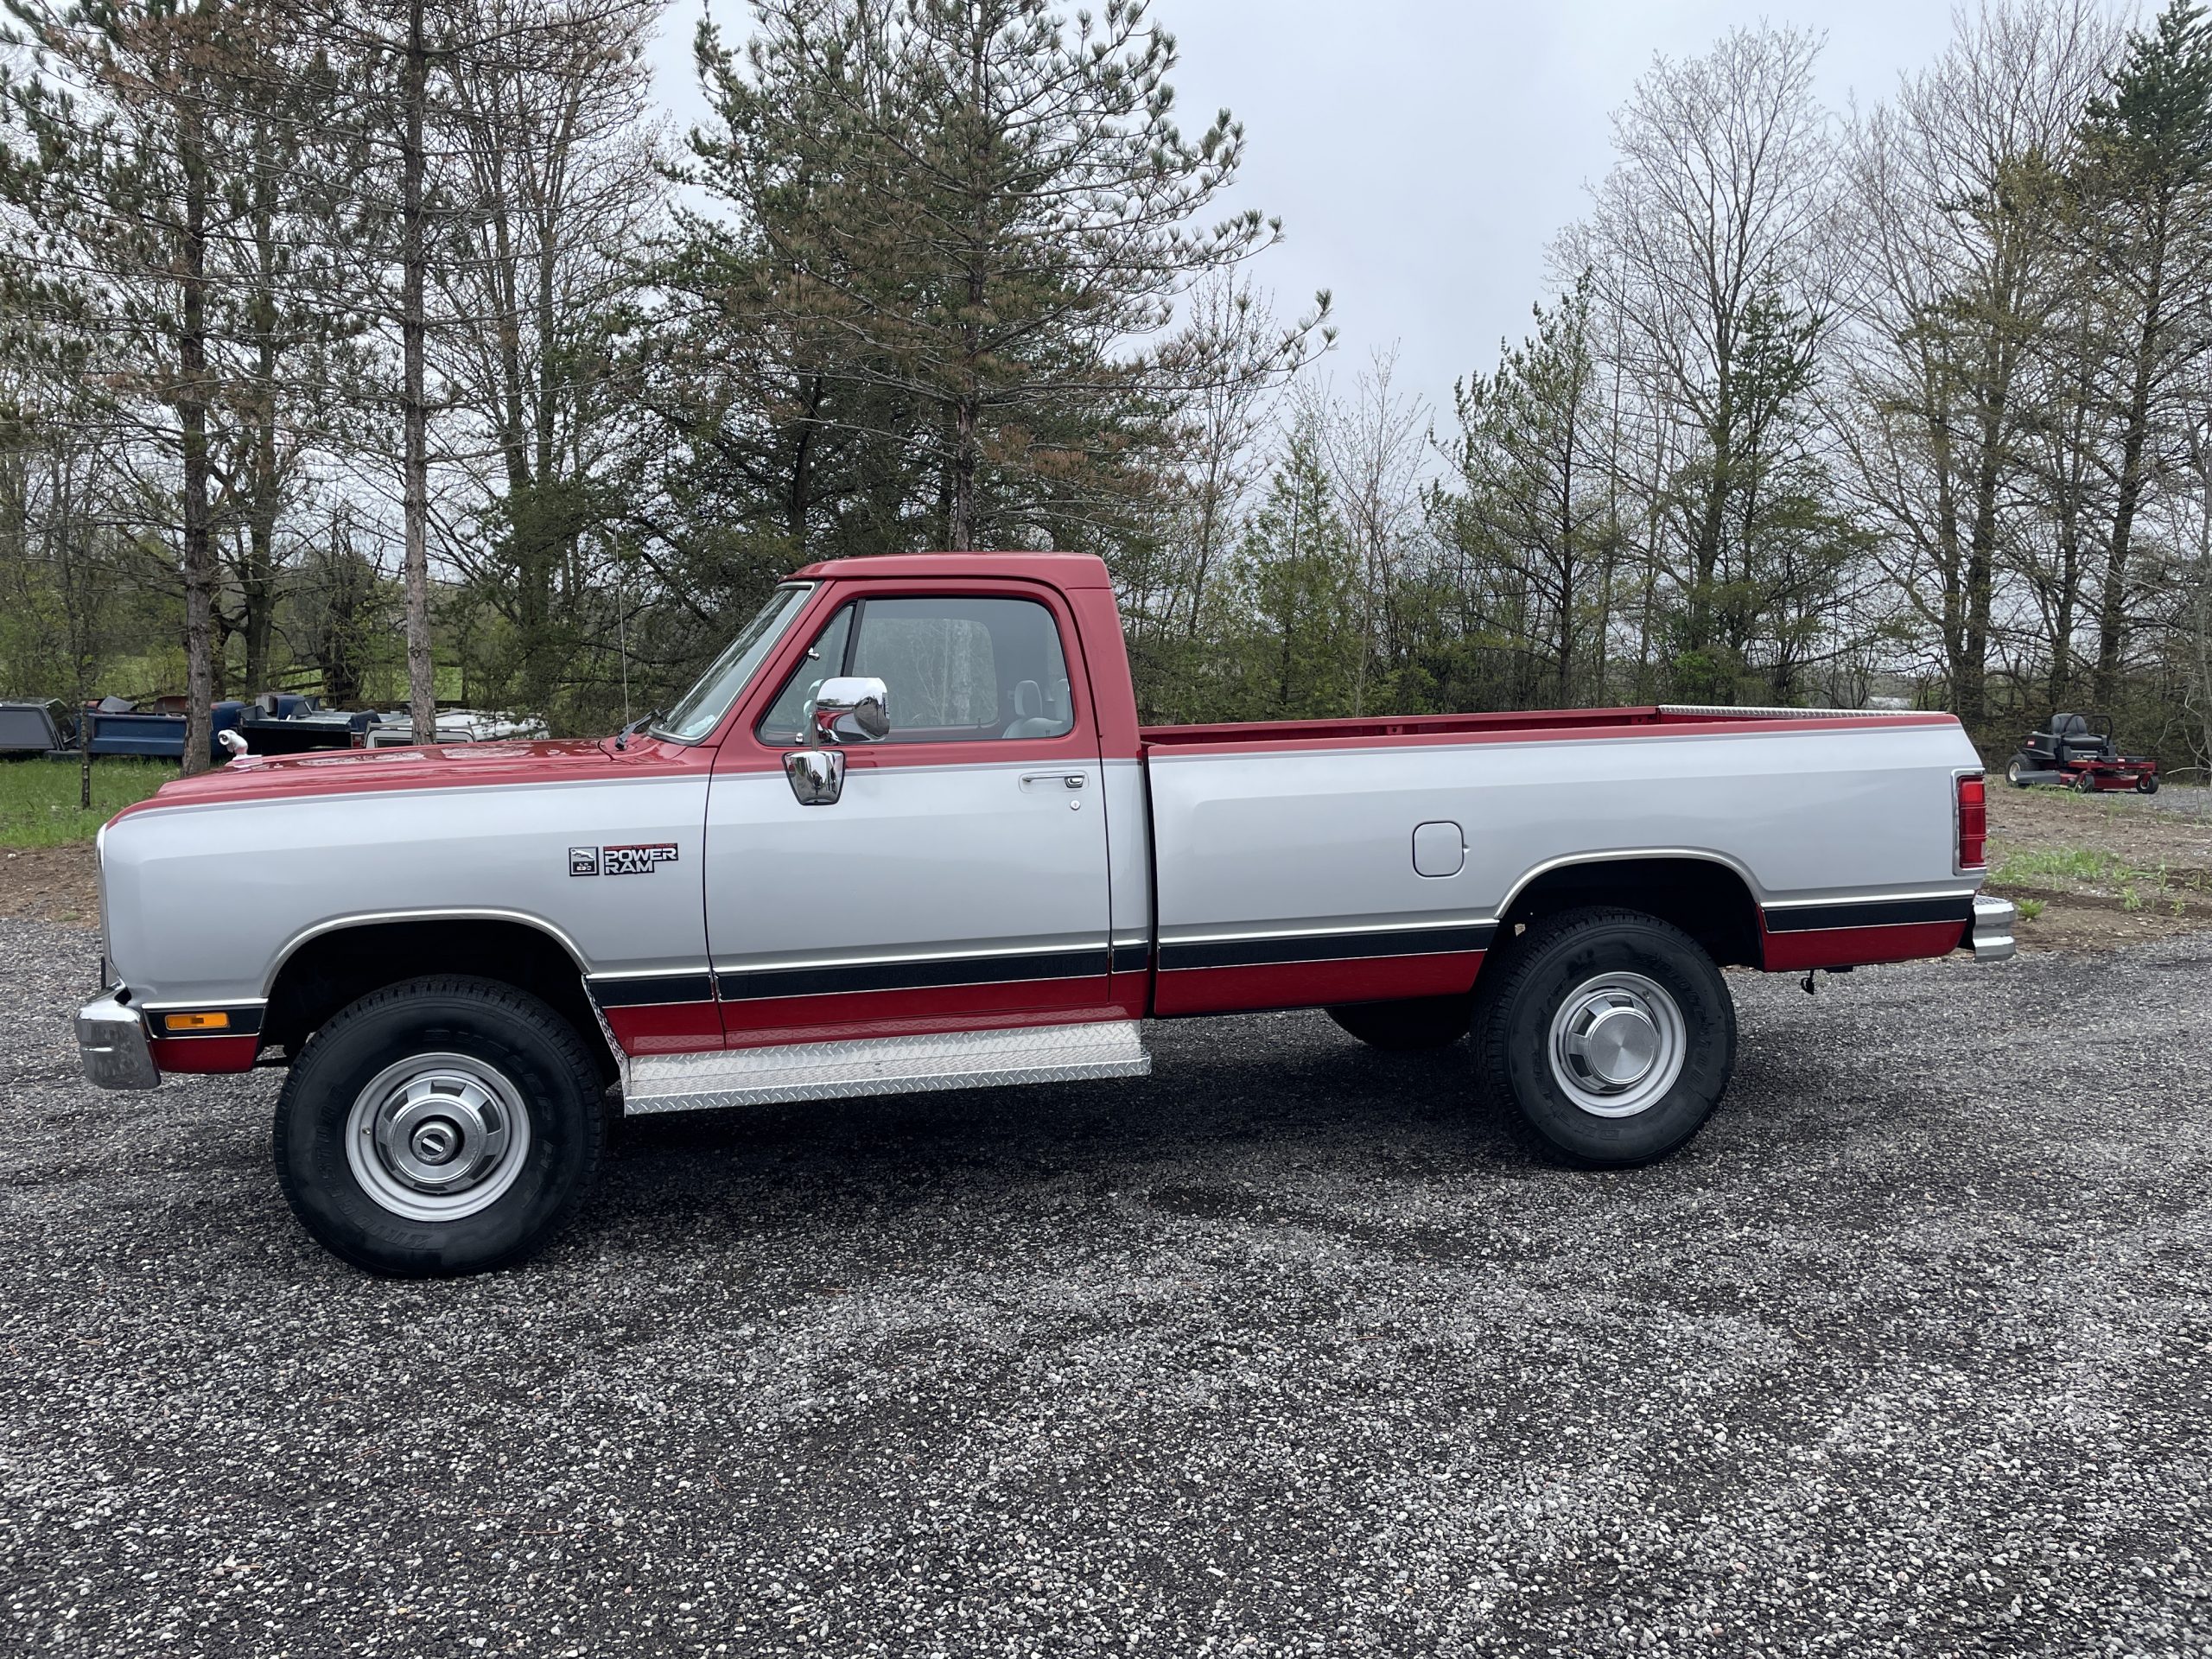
(851,708)
(817,775)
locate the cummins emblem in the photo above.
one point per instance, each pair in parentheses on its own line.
(620,861)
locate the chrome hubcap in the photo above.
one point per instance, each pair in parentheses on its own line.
(437,1137)
(1617,1043)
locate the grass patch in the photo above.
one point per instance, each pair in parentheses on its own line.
(2030,908)
(38,799)
(2090,864)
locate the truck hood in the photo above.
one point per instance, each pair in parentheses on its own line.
(343,772)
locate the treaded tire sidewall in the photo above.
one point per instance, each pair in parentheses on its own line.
(1513,1033)
(530,1044)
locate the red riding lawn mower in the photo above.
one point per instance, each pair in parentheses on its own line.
(2077,750)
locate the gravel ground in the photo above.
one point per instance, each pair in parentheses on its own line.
(2189,800)
(1282,1352)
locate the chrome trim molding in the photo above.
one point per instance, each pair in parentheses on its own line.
(1865,913)
(649,990)
(882,1065)
(379,918)
(1726,710)
(1279,949)
(1325,928)
(977,951)
(837,979)
(1992,929)
(1621,855)
(111,1046)
(1856,898)
(228,1005)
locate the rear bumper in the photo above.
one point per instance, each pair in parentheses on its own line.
(1992,928)
(112,1048)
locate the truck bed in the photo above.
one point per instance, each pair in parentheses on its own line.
(1299,861)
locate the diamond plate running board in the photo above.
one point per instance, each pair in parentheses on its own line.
(882,1065)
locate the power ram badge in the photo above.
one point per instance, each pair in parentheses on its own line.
(620,861)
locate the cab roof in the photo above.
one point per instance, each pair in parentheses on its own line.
(1063,571)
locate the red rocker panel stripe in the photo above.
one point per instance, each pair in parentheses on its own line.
(665,1028)
(753,1021)
(1313,984)
(1856,947)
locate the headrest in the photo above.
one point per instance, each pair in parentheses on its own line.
(1028,701)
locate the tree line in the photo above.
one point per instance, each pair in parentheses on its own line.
(405,353)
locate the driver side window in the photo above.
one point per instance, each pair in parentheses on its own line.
(958,668)
(784,722)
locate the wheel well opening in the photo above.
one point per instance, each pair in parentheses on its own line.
(1704,898)
(339,967)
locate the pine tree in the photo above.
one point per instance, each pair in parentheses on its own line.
(1534,501)
(985,219)
(116,164)
(1299,579)
(2147,171)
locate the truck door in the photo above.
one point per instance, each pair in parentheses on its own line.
(960,879)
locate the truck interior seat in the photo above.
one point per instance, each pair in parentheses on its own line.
(1030,719)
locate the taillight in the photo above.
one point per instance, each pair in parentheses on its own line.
(1973,823)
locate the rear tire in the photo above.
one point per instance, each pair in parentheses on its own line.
(1609,1031)
(443,1126)
(1408,1026)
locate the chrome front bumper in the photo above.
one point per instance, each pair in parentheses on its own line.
(111,1044)
(1992,929)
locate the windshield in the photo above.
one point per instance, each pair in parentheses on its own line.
(701,707)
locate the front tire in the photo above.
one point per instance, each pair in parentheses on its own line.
(1408,1026)
(2017,764)
(2147,784)
(1611,1033)
(442,1126)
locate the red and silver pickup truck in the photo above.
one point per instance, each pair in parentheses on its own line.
(907,833)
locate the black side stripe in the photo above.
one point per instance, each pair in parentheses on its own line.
(1131,959)
(833,978)
(1325,947)
(1878,913)
(649,989)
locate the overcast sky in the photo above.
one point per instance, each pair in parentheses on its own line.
(1421,155)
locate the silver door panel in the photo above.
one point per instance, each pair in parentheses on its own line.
(916,861)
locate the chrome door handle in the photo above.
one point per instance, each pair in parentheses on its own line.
(1070,780)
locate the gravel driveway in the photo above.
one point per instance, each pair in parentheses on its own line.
(1283,1352)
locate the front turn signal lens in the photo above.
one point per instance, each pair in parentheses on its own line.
(196,1022)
